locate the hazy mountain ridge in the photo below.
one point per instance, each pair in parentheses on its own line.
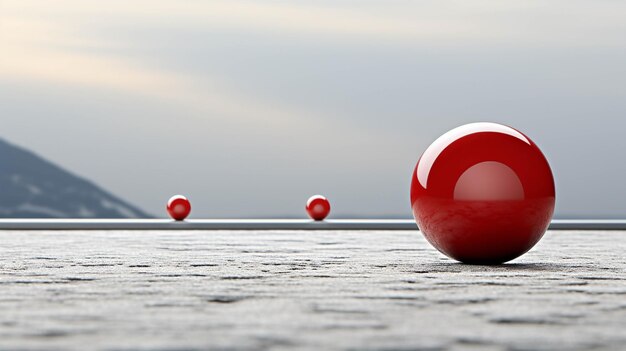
(31,187)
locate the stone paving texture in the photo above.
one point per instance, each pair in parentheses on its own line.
(308,290)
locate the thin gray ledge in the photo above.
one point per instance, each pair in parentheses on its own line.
(263,224)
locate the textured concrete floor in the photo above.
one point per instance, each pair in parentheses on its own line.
(368,290)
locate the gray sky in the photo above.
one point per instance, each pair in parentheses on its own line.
(249,107)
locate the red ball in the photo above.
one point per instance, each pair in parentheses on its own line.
(178,207)
(483,193)
(318,207)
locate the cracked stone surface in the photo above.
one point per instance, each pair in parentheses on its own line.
(340,290)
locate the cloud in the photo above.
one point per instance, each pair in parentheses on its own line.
(508,23)
(285,17)
(37,51)
(53,53)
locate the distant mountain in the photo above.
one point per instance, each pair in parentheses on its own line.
(31,187)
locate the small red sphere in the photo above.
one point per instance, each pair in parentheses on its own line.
(178,207)
(318,207)
(483,193)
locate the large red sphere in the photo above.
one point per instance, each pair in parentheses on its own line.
(318,207)
(178,207)
(483,193)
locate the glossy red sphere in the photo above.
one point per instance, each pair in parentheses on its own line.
(178,207)
(483,193)
(318,207)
